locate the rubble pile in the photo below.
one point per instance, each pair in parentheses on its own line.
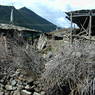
(14,56)
(20,67)
(18,84)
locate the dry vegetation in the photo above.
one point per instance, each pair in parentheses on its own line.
(14,55)
(72,71)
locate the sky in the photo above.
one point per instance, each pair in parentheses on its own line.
(52,10)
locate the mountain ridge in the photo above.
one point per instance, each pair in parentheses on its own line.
(26,18)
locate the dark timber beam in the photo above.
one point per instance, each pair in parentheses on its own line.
(82,14)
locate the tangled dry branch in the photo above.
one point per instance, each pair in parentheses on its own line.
(72,72)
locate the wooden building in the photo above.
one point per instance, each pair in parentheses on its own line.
(85,20)
(18,33)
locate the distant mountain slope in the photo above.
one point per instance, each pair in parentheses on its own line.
(26,18)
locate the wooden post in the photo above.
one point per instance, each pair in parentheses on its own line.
(71,39)
(11,16)
(32,39)
(90,25)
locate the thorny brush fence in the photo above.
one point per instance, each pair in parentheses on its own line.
(72,72)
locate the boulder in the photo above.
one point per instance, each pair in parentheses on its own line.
(35,93)
(42,93)
(13,82)
(17,92)
(1,86)
(1,93)
(25,92)
(9,87)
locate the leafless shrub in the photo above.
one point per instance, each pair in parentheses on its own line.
(14,56)
(71,72)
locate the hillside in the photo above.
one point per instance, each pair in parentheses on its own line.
(26,18)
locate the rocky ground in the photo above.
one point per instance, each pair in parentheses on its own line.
(20,66)
(18,84)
